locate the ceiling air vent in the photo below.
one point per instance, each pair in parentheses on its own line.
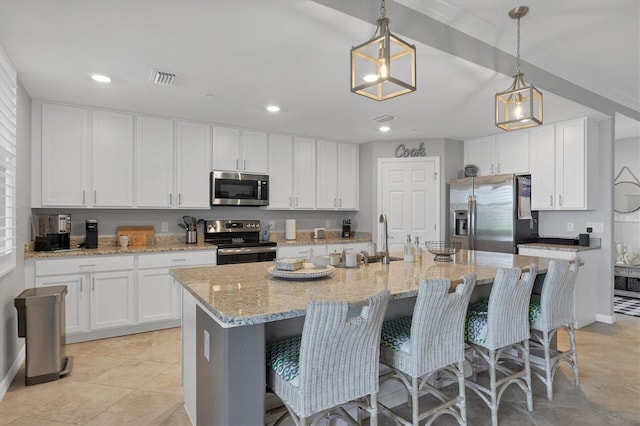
(384,118)
(162,78)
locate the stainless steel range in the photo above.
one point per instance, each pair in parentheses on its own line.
(238,241)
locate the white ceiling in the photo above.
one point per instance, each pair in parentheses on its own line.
(250,53)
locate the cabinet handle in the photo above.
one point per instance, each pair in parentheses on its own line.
(551,200)
(560,200)
(498,168)
(93,283)
(340,203)
(179,260)
(179,198)
(83,196)
(80,286)
(492,169)
(170,199)
(335,202)
(95,196)
(290,202)
(296,201)
(244,162)
(236,163)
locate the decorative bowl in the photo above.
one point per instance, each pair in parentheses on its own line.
(320,261)
(442,249)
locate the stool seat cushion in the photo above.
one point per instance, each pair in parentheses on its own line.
(396,333)
(534,309)
(475,329)
(283,357)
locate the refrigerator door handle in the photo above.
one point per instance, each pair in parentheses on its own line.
(472,222)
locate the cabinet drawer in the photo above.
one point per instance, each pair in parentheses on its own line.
(176,259)
(623,272)
(83,265)
(633,272)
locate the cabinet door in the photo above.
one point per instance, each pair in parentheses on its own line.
(482,153)
(304,173)
(65,141)
(254,151)
(154,162)
(348,176)
(512,152)
(543,167)
(76,306)
(327,175)
(226,148)
(157,299)
(570,165)
(193,143)
(112,296)
(280,171)
(112,159)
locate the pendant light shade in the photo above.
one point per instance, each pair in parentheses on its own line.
(385,66)
(519,106)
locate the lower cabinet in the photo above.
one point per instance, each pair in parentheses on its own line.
(109,296)
(321,249)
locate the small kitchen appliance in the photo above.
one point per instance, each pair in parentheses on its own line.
(346,228)
(52,232)
(238,189)
(238,241)
(91,234)
(318,233)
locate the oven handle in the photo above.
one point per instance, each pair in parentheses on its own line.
(246,250)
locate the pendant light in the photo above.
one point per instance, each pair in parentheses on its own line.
(384,66)
(520,106)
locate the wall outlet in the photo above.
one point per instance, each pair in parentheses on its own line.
(569,226)
(327,224)
(207,346)
(597,227)
(164,226)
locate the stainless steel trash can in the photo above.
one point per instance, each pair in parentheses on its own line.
(41,320)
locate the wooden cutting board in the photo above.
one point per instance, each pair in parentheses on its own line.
(138,235)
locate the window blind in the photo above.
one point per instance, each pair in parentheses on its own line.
(8,97)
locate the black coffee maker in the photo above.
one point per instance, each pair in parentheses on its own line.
(91,234)
(52,232)
(346,228)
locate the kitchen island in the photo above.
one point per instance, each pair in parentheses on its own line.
(230,311)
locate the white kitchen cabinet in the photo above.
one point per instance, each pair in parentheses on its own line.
(337,175)
(64,153)
(158,294)
(112,296)
(301,251)
(244,151)
(563,166)
(292,172)
(193,153)
(82,168)
(353,247)
(112,159)
(154,162)
(503,153)
(76,312)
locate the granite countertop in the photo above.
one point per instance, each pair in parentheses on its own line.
(558,247)
(245,294)
(108,246)
(331,237)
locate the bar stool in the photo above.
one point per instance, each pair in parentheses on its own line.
(497,324)
(549,312)
(334,362)
(430,341)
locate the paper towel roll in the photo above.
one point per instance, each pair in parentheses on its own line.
(290,233)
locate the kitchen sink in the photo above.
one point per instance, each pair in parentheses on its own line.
(377,258)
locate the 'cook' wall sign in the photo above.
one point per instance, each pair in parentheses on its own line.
(403,151)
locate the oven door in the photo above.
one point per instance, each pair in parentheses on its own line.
(239,189)
(227,256)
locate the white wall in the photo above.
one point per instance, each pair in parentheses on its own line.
(627,225)
(13,283)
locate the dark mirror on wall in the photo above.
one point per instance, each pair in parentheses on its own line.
(626,197)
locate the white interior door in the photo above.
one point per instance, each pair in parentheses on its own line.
(409,194)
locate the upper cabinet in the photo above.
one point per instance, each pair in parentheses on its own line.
(292,172)
(503,153)
(337,176)
(244,151)
(193,151)
(154,162)
(82,168)
(563,166)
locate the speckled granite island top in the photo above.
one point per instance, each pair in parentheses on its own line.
(244,294)
(558,247)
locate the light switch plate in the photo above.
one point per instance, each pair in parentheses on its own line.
(569,226)
(164,226)
(207,346)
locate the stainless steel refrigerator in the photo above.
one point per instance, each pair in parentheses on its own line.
(492,213)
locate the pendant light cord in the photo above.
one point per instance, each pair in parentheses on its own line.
(518,48)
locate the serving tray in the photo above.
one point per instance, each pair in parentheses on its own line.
(309,272)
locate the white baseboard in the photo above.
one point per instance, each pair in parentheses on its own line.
(607,319)
(11,374)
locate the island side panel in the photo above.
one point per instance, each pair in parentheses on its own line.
(230,386)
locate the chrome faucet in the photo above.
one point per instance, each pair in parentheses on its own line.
(385,249)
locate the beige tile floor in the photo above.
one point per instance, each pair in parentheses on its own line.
(136,380)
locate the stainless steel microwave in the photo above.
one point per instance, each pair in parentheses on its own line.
(239,189)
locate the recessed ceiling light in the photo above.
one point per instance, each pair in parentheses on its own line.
(273,108)
(101,78)
(384,128)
